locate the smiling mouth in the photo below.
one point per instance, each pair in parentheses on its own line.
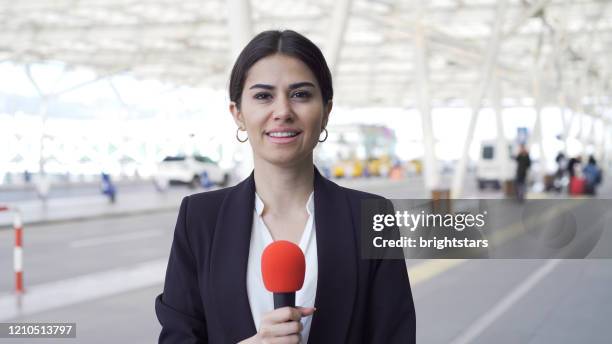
(283,134)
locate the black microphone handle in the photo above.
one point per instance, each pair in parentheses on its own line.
(284,300)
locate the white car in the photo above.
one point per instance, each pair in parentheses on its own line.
(492,169)
(189,170)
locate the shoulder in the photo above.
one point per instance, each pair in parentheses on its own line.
(198,216)
(205,203)
(213,196)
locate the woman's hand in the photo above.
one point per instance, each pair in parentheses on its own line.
(280,326)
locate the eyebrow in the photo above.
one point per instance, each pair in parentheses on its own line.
(291,86)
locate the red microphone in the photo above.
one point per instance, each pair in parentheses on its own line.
(283,267)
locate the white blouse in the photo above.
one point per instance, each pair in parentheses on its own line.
(260,299)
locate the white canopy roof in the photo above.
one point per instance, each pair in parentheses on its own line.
(381,51)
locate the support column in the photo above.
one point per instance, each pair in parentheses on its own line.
(571,106)
(583,89)
(335,41)
(430,170)
(607,143)
(599,115)
(564,121)
(490,62)
(42,113)
(560,43)
(502,154)
(239,25)
(42,184)
(537,136)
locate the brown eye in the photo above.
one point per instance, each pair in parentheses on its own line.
(262,96)
(301,94)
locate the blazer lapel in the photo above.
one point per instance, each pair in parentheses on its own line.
(337,258)
(228,262)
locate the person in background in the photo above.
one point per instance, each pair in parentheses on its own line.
(576,180)
(592,176)
(108,187)
(572,164)
(27,176)
(523,162)
(558,182)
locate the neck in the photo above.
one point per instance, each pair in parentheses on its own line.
(284,188)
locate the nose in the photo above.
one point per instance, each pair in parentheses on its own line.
(282,109)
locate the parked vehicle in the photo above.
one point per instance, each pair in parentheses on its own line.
(351,168)
(492,169)
(379,166)
(190,170)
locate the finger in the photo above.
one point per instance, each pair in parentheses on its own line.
(306,311)
(282,315)
(292,339)
(281,329)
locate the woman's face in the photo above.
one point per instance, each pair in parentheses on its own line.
(281,110)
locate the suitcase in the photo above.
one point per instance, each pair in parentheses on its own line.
(576,186)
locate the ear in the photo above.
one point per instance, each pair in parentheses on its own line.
(237,115)
(326,110)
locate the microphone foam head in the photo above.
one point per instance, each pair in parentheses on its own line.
(283,267)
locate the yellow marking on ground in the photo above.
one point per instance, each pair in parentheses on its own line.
(430,268)
(538,195)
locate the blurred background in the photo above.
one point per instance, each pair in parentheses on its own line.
(112,111)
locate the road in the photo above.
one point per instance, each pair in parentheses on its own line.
(104,274)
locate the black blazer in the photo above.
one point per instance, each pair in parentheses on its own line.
(205,298)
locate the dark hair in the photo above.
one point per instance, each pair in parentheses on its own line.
(285,42)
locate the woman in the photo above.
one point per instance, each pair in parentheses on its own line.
(281,96)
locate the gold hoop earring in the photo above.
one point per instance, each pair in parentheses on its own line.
(238,137)
(326,133)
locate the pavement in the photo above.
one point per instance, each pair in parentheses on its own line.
(91,206)
(102,269)
(85,202)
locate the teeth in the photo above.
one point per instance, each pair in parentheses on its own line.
(283,134)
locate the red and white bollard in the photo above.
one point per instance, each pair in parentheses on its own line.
(17,250)
(18,253)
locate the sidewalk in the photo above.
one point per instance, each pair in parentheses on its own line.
(58,210)
(95,206)
(147,200)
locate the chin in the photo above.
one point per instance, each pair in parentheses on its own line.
(285,159)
